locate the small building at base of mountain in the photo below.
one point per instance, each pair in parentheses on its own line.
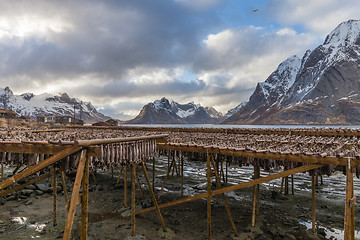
(6,113)
(60,119)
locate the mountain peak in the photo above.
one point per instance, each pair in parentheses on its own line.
(170,112)
(28,104)
(346,33)
(321,87)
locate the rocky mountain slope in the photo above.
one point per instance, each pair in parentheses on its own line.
(322,87)
(30,105)
(169,112)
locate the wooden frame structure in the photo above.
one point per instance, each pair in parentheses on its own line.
(59,151)
(90,148)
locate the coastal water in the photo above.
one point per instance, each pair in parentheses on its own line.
(240,126)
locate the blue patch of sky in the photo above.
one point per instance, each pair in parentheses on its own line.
(242,13)
(187,76)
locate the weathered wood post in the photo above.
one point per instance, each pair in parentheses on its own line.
(313,181)
(349,218)
(85,200)
(208,175)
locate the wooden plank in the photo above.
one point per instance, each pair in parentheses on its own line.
(19,147)
(117,140)
(153,197)
(19,187)
(41,165)
(218,183)
(75,195)
(348,234)
(54,186)
(63,181)
(313,202)
(304,168)
(125,186)
(133,176)
(85,200)
(261,155)
(208,176)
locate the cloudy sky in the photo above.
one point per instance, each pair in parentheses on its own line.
(122,54)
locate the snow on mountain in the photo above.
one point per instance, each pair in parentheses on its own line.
(314,89)
(235,109)
(28,104)
(165,111)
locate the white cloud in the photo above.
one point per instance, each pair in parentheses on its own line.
(317,16)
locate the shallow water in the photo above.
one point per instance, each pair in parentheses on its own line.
(333,187)
(240,126)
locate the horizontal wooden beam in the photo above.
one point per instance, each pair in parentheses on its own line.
(41,165)
(39,148)
(261,155)
(161,138)
(256,131)
(19,187)
(286,173)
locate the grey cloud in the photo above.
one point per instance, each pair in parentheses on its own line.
(102,41)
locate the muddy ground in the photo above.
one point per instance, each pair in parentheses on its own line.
(27,214)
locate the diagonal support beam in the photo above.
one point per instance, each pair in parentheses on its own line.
(304,168)
(75,195)
(17,188)
(33,169)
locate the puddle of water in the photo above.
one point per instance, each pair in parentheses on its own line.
(333,232)
(23,221)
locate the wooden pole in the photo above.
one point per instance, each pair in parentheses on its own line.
(74,196)
(85,201)
(63,180)
(125,186)
(133,176)
(208,175)
(154,198)
(304,168)
(282,185)
(139,185)
(218,184)
(257,191)
(118,180)
(226,166)
(53,183)
(19,187)
(166,177)
(93,175)
(349,217)
(153,174)
(2,171)
(41,165)
(182,176)
(313,179)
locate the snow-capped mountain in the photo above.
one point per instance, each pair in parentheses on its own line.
(164,111)
(235,109)
(323,87)
(30,105)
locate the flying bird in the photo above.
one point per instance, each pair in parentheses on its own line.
(255,10)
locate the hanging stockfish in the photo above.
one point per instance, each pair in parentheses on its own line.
(112,159)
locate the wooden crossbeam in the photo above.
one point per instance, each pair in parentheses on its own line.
(19,187)
(75,195)
(41,165)
(261,155)
(37,148)
(304,168)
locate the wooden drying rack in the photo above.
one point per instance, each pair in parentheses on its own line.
(60,150)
